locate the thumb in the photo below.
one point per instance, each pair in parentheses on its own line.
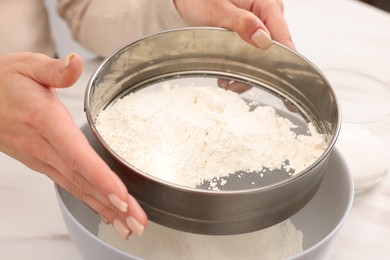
(55,72)
(70,70)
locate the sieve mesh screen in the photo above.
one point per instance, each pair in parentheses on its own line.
(255,94)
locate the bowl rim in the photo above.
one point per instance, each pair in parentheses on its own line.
(73,219)
(343,217)
(346,210)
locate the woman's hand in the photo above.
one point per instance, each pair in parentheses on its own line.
(37,129)
(256,21)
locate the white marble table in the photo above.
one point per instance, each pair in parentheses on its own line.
(330,33)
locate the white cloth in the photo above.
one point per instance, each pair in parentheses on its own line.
(104,26)
(24,26)
(99,25)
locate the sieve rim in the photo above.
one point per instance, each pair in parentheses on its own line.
(228,211)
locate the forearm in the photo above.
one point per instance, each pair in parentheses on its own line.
(104,26)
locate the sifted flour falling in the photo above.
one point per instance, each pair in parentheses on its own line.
(188,135)
(158,242)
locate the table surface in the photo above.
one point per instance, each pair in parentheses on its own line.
(331,33)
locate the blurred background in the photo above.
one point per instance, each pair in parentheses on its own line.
(65,43)
(64,40)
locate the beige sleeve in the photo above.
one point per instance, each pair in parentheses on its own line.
(104,26)
(24,26)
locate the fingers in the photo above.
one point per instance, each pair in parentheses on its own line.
(73,147)
(132,219)
(273,19)
(53,72)
(70,69)
(34,151)
(256,21)
(45,159)
(248,26)
(259,23)
(238,87)
(137,219)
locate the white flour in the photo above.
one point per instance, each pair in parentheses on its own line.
(277,242)
(186,135)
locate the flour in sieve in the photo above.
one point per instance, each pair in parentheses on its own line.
(186,135)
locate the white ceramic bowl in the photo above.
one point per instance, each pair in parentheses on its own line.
(320,220)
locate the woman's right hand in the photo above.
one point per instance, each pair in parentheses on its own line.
(37,130)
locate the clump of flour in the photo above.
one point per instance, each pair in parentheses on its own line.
(186,135)
(158,242)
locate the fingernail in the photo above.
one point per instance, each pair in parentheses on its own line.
(66,61)
(118,203)
(122,230)
(135,226)
(262,39)
(224,84)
